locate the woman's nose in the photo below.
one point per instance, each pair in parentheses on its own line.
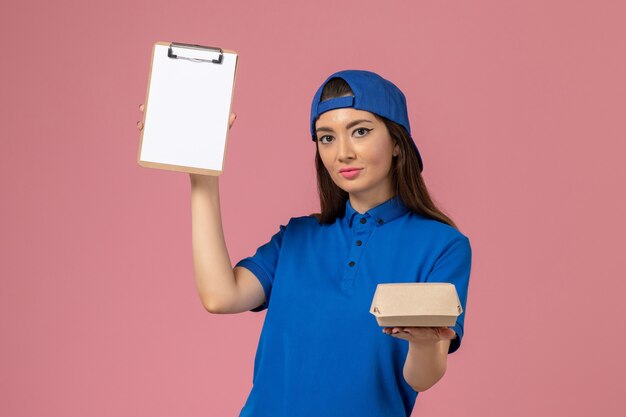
(345,150)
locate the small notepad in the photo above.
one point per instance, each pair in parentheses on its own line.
(187,107)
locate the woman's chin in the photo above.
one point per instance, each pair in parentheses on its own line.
(344,186)
(350,190)
(350,186)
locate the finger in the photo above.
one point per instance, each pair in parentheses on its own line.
(448,333)
(423,333)
(140,125)
(231,120)
(141,107)
(401,335)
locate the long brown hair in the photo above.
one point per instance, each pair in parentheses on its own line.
(406,177)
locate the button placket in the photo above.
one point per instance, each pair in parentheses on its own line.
(362,228)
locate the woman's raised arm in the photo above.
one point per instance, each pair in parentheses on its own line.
(221,289)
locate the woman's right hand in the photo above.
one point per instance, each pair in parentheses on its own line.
(231,120)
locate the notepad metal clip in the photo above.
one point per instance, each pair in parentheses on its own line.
(195,53)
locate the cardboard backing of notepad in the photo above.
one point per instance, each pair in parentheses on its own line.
(187,108)
(421,304)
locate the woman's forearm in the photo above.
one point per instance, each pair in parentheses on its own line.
(426,364)
(213,270)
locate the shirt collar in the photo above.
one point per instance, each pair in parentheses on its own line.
(382,213)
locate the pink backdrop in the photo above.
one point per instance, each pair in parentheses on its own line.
(518,109)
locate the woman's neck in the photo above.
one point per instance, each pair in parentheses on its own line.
(361,204)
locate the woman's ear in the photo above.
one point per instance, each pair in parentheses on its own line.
(396,150)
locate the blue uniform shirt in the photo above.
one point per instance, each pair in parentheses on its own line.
(321,352)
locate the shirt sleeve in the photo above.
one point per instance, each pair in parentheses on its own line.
(263,264)
(454,266)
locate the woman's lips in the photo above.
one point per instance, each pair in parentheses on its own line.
(350,174)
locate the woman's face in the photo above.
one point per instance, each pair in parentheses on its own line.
(349,138)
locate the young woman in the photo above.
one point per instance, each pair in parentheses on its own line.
(321,353)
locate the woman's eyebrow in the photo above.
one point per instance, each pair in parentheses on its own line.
(348,126)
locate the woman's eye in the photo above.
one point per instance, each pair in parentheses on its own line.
(323,138)
(362,131)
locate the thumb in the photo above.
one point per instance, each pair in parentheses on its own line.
(448,333)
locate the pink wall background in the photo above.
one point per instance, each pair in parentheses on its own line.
(518,109)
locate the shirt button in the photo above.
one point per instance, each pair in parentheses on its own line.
(363,220)
(358,243)
(351,263)
(380,221)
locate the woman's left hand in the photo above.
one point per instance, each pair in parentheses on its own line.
(421,335)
